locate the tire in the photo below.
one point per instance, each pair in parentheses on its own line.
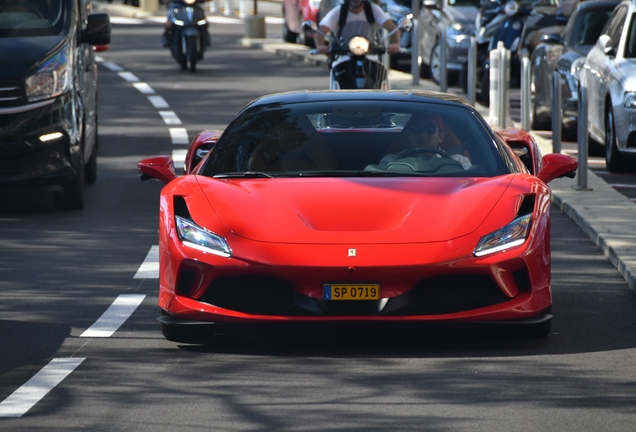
(613,159)
(91,166)
(191,53)
(435,66)
(73,195)
(535,123)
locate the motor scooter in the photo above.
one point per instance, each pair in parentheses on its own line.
(498,22)
(357,71)
(186,32)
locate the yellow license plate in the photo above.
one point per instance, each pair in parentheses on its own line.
(351,291)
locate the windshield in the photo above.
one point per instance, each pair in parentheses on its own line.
(19,18)
(361,138)
(588,26)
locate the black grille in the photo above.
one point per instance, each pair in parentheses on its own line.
(253,294)
(450,294)
(12,94)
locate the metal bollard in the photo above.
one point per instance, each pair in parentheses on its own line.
(228,9)
(582,140)
(214,6)
(472,70)
(415,67)
(556,112)
(386,57)
(504,82)
(443,81)
(526,91)
(244,9)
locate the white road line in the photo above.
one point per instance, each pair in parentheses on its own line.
(149,269)
(144,88)
(112,66)
(179,136)
(24,398)
(178,157)
(158,102)
(170,117)
(115,315)
(124,20)
(626,186)
(129,76)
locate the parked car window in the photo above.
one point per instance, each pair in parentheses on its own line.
(588,27)
(630,48)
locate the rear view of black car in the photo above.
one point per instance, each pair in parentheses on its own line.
(48,96)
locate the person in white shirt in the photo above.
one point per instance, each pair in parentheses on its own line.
(425,132)
(357,24)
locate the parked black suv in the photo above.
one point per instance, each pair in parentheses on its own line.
(48,96)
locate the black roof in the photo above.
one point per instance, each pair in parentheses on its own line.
(349,95)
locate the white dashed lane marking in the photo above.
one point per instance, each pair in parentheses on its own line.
(118,312)
(24,398)
(158,102)
(170,117)
(179,136)
(144,88)
(129,76)
(149,269)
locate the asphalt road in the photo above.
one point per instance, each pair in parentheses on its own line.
(60,271)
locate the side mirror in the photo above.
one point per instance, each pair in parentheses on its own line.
(557,165)
(158,168)
(97,30)
(605,43)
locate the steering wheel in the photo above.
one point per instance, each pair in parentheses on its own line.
(22,7)
(418,150)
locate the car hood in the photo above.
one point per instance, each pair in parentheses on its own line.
(338,210)
(19,56)
(464,15)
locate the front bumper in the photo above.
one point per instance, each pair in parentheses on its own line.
(28,161)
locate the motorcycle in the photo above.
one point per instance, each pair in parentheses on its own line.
(357,71)
(186,32)
(498,22)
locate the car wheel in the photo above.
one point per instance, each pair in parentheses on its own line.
(73,195)
(435,67)
(535,122)
(614,160)
(91,166)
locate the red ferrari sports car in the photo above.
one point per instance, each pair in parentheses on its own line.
(349,206)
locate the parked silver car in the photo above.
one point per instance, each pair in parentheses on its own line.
(458,17)
(609,76)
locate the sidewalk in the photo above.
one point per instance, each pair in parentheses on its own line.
(605,215)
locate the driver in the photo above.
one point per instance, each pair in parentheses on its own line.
(425,132)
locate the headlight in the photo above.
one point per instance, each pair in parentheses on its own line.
(190,2)
(513,234)
(314,4)
(511,8)
(629,100)
(456,32)
(53,78)
(198,238)
(358,45)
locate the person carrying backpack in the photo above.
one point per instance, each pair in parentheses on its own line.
(355,18)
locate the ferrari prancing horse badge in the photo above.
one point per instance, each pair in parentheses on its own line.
(352,252)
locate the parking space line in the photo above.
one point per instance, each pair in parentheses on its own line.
(118,312)
(24,398)
(149,269)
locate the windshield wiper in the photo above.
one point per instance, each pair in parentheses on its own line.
(246,174)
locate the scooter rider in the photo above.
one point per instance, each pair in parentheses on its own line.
(169,25)
(362,18)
